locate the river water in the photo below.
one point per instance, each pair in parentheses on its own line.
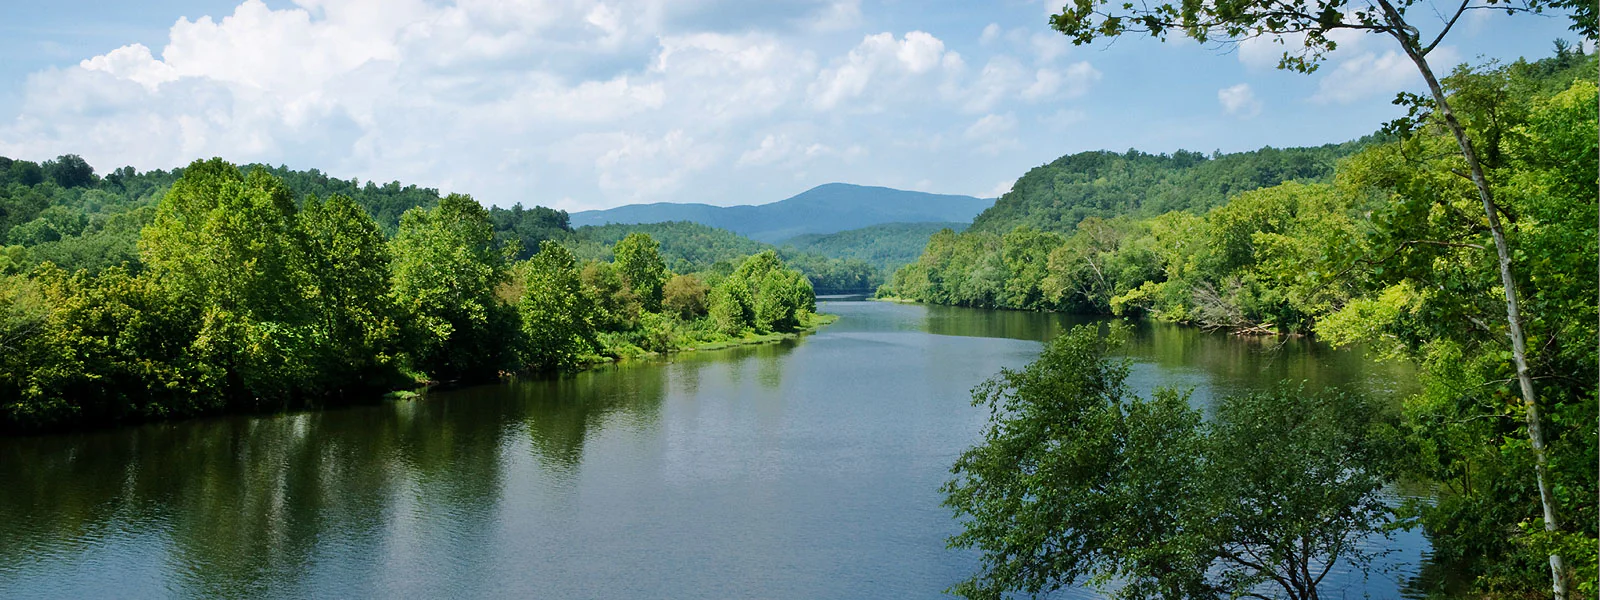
(805,469)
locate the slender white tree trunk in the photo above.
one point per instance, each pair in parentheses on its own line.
(1519,350)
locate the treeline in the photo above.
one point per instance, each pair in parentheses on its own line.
(1058,196)
(690,247)
(61,212)
(1393,252)
(243,300)
(887,246)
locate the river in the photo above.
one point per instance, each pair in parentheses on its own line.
(804,469)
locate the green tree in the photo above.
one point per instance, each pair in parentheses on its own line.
(1431,295)
(1080,481)
(685,297)
(1026,253)
(349,260)
(69,171)
(732,307)
(231,246)
(618,307)
(557,315)
(639,263)
(446,268)
(1085,21)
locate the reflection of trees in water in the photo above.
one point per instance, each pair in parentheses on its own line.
(562,413)
(1233,363)
(247,502)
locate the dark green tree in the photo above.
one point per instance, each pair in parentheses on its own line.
(349,259)
(69,171)
(446,268)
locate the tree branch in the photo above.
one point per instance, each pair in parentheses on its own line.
(1447,26)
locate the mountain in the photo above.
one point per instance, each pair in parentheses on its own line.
(827,208)
(886,246)
(1059,195)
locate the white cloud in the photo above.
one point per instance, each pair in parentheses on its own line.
(132,62)
(999,189)
(991,32)
(1239,101)
(992,133)
(1369,75)
(880,56)
(577,103)
(1264,52)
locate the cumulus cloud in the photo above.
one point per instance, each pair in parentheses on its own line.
(577,103)
(893,63)
(1239,101)
(1371,74)
(1361,67)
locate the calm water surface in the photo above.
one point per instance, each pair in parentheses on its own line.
(808,469)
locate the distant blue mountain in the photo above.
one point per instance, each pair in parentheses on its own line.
(827,208)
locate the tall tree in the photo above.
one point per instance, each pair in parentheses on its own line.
(1231,21)
(446,268)
(231,246)
(349,260)
(557,315)
(639,262)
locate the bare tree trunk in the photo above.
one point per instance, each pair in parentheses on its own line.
(1406,35)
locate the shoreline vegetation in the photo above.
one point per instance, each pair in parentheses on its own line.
(812,323)
(1383,242)
(242,298)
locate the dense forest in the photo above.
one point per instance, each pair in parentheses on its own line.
(1058,196)
(1382,243)
(62,213)
(214,288)
(887,247)
(693,247)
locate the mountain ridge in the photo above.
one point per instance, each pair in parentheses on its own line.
(824,209)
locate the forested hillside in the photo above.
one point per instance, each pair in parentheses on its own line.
(1057,196)
(1389,246)
(62,213)
(887,246)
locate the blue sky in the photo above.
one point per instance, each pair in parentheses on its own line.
(582,104)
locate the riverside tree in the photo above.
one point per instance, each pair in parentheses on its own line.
(557,316)
(446,268)
(639,263)
(1080,481)
(1310,24)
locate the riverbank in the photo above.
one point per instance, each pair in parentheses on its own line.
(810,324)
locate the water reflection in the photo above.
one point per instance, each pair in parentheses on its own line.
(807,468)
(1211,362)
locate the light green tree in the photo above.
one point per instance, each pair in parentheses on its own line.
(638,259)
(231,246)
(557,315)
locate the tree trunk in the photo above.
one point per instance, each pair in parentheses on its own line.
(1406,35)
